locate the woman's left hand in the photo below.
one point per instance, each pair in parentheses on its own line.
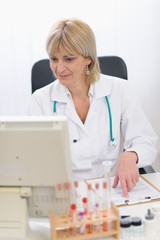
(127,172)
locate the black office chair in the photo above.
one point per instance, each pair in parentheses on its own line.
(41,75)
(113,66)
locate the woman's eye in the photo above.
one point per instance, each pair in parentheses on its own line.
(53,59)
(69,59)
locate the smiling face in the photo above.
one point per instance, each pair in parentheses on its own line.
(69,69)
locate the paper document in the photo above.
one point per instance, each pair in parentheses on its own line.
(142,192)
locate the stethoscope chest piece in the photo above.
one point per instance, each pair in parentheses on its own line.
(113,144)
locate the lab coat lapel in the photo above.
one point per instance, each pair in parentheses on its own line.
(61,94)
(98,90)
(103,87)
(71,113)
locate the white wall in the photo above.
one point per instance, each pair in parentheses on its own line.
(128,28)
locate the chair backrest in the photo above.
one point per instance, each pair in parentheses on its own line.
(42,75)
(113,66)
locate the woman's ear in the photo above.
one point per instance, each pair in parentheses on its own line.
(89,61)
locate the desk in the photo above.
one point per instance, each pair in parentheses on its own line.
(133,210)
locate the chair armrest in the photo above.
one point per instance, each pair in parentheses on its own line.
(145,170)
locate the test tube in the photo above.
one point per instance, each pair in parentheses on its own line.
(68,200)
(85,205)
(73,215)
(107,169)
(76,186)
(82,227)
(89,228)
(104,199)
(76,194)
(105,206)
(97,200)
(105,226)
(73,212)
(89,197)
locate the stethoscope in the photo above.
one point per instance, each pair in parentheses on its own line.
(112,140)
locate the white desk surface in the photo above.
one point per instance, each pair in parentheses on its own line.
(138,209)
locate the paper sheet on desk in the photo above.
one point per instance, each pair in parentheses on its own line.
(142,192)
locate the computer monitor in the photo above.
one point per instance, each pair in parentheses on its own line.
(34,158)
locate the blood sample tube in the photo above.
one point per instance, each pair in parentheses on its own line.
(82,227)
(85,205)
(105,206)
(104,200)
(97,200)
(76,194)
(107,169)
(89,197)
(68,200)
(105,226)
(73,212)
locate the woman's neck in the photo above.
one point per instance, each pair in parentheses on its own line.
(81,101)
(79,91)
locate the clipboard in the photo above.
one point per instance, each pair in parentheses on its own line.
(144,191)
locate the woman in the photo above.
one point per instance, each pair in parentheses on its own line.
(83,94)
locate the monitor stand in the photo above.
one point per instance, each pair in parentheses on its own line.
(14,221)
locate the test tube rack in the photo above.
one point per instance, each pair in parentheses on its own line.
(62,227)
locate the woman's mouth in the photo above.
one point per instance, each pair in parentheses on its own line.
(64,76)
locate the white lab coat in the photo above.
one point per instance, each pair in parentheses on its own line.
(131,129)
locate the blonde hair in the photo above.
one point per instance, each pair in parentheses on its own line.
(72,36)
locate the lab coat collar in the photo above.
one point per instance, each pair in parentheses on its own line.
(91,91)
(102,87)
(99,89)
(59,93)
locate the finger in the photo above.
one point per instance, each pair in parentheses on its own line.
(134,181)
(130,183)
(137,178)
(124,187)
(116,180)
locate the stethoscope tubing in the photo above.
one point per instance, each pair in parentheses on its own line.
(110,119)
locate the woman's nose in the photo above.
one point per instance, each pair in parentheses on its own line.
(61,66)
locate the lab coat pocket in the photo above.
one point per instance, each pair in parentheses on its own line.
(82,165)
